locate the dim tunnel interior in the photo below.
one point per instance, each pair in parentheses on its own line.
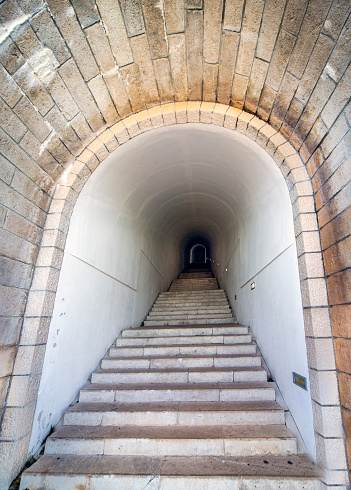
(167,198)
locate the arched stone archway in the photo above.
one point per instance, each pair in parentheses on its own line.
(329,435)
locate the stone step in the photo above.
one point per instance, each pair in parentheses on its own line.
(199,330)
(101,472)
(183,340)
(177,413)
(211,304)
(172,440)
(179,350)
(189,316)
(187,312)
(190,321)
(177,392)
(161,309)
(165,362)
(195,275)
(177,375)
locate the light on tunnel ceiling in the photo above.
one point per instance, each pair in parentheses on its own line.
(253,285)
(217,263)
(226,270)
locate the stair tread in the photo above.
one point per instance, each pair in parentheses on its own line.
(185,345)
(183,356)
(179,386)
(204,325)
(173,432)
(264,405)
(182,370)
(265,466)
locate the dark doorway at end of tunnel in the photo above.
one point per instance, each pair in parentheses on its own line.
(197,251)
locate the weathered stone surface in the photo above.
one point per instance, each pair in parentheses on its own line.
(133,17)
(163,79)
(32,87)
(113,20)
(118,92)
(283,49)
(174,14)
(271,20)
(10,56)
(18,225)
(283,99)
(32,119)
(177,58)
(338,99)
(155,24)
(233,14)
(337,15)
(15,274)
(79,90)
(212,30)
(86,12)
(130,77)
(312,23)
(267,99)
(9,90)
(10,122)
(65,18)
(103,99)
(257,78)
(101,48)
(144,64)
(210,76)
(50,36)
(229,49)
(194,43)
(240,84)
(12,301)
(64,130)
(248,39)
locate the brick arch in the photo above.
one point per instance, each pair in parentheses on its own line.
(320,351)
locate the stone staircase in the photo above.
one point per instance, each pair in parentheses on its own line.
(176,404)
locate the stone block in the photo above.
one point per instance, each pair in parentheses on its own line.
(317,322)
(177,58)
(335,135)
(339,287)
(174,15)
(18,225)
(4,385)
(280,58)
(314,68)
(343,354)
(9,90)
(10,56)
(168,114)
(193,111)
(338,256)
(40,303)
(271,20)
(312,23)
(82,128)
(133,17)
(100,47)
(7,359)
(49,35)
(332,454)
(131,125)
(144,64)
(212,30)
(210,79)
(130,76)
(254,126)
(66,20)
(156,29)
(194,52)
(144,121)
(45,278)
(239,88)
(49,257)
(308,241)
(233,14)
(163,79)
(114,82)
(10,330)
(121,133)
(10,122)
(339,59)
(33,88)
(314,292)
(86,12)
(180,110)
(32,119)
(341,320)
(64,130)
(257,78)
(337,204)
(266,103)
(282,102)
(103,99)
(59,151)
(292,116)
(108,139)
(244,119)
(12,301)
(206,112)
(17,422)
(81,94)
(17,248)
(294,15)
(264,134)
(231,117)
(311,265)
(62,97)
(229,49)
(113,20)
(324,387)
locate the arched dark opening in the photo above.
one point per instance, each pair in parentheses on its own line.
(197,250)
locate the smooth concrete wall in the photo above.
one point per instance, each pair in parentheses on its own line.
(263,250)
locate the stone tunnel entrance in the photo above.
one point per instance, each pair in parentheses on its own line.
(150,208)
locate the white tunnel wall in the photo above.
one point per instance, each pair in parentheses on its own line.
(126,243)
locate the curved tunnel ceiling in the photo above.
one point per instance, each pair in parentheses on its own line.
(187,180)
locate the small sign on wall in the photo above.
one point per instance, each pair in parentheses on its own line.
(300,381)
